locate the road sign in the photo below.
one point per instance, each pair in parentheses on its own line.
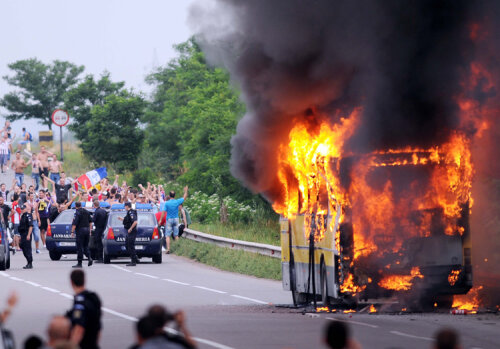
(60,117)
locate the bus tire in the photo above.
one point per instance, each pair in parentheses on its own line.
(324,285)
(55,256)
(299,298)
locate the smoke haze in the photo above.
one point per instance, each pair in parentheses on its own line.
(406,63)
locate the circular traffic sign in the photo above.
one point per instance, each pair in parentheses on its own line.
(60,117)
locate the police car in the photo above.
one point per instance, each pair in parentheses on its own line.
(59,240)
(147,242)
(4,248)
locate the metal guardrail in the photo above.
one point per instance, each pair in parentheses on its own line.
(254,247)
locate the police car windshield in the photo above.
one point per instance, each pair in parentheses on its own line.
(65,217)
(143,219)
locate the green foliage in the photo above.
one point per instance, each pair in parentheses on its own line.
(113,133)
(106,121)
(39,88)
(227,259)
(258,230)
(193,116)
(80,100)
(143,176)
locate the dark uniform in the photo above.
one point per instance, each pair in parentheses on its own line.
(129,219)
(24,225)
(100,219)
(86,312)
(81,221)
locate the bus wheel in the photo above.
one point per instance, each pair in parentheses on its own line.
(324,286)
(299,298)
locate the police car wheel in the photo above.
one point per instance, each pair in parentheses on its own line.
(55,256)
(157,259)
(106,258)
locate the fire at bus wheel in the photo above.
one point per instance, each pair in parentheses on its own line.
(299,298)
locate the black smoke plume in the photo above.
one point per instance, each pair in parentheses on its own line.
(403,62)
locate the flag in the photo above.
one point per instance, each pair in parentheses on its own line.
(91,178)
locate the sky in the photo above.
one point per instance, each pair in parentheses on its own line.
(125,37)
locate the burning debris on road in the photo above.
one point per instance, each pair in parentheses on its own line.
(363,122)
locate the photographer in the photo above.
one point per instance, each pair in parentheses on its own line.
(151,333)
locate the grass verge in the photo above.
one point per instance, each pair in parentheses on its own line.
(231,260)
(266,232)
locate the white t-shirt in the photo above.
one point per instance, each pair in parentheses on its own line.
(4,146)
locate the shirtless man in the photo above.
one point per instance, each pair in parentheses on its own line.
(55,169)
(18,165)
(43,157)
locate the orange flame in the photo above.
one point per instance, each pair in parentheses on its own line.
(400,282)
(469,301)
(372,309)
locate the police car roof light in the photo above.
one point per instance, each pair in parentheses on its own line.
(118,207)
(143,206)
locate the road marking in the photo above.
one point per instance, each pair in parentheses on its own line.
(32,283)
(209,289)
(120,268)
(51,289)
(147,275)
(116,313)
(410,335)
(125,316)
(353,322)
(65,295)
(177,282)
(16,279)
(249,299)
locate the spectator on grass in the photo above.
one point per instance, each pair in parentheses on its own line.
(337,336)
(26,139)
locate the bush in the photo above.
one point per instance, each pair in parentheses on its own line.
(206,208)
(143,176)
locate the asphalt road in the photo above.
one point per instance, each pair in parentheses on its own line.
(224,310)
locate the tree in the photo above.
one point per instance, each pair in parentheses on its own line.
(80,100)
(112,133)
(40,88)
(192,119)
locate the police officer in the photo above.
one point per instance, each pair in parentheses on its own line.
(85,315)
(130,224)
(82,225)
(25,228)
(100,219)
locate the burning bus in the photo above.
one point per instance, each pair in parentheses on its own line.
(391,222)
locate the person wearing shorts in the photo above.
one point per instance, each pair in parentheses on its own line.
(171,210)
(4,152)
